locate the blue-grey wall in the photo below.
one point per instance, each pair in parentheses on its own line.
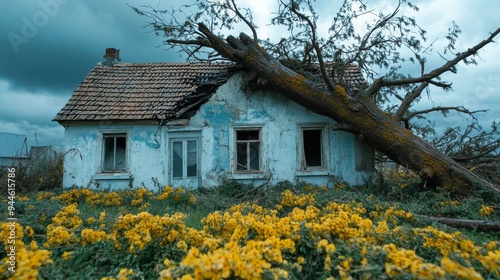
(279,118)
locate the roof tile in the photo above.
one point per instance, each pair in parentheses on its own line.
(129,91)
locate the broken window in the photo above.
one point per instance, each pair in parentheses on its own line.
(115,146)
(248,150)
(312,148)
(184,159)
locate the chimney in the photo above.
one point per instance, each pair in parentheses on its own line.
(111,57)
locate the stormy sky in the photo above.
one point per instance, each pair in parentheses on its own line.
(48,46)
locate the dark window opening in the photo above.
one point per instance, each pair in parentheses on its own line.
(248,150)
(192,159)
(177,159)
(115,147)
(312,151)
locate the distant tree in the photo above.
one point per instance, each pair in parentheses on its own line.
(286,66)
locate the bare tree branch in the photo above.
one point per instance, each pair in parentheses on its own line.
(314,42)
(460,109)
(379,83)
(408,100)
(247,22)
(363,45)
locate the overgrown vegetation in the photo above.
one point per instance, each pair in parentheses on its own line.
(40,173)
(287,231)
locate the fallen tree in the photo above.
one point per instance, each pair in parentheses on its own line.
(355,110)
(468,224)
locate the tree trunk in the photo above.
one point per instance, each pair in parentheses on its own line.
(358,115)
(470,224)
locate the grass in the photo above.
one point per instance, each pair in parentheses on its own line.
(376,216)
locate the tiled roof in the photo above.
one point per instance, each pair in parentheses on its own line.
(351,76)
(152,91)
(141,91)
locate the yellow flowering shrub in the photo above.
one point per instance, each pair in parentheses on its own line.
(58,236)
(68,217)
(289,199)
(89,236)
(123,274)
(167,191)
(458,270)
(492,262)
(67,255)
(61,230)
(447,243)
(139,196)
(112,199)
(399,261)
(486,210)
(74,195)
(28,260)
(144,228)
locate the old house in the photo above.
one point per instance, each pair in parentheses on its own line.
(194,124)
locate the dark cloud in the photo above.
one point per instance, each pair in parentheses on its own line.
(50,45)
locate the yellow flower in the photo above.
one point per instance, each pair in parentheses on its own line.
(167,191)
(382,227)
(57,236)
(124,273)
(492,262)
(68,217)
(43,195)
(90,236)
(453,268)
(182,245)
(112,199)
(102,219)
(289,199)
(192,199)
(91,220)
(28,260)
(29,231)
(486,210)
(67,255)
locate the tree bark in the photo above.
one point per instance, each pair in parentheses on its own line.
(358,115)
(470,224)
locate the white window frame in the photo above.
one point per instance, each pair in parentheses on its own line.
(184,141)
(114,135)
(302,166)
(235,141)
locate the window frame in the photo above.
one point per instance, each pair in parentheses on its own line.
(106,135)
(324,139)
(235,142)
(184,141)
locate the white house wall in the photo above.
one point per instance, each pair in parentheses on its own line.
(145,156)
